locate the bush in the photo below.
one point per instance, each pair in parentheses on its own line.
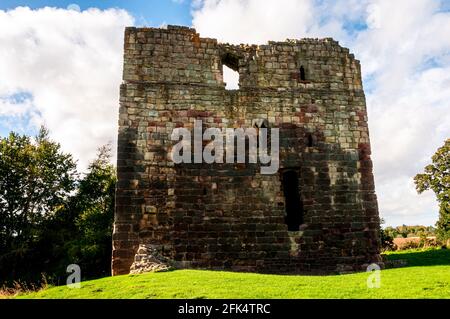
(422,243)
(387,242)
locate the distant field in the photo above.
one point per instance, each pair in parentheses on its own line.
(426,276)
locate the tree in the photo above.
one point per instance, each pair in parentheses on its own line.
(387,241)
(80,231)
(36,177)
(94,206)
(50,216)
(437,178)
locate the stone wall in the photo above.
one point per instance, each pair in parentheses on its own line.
(229,216)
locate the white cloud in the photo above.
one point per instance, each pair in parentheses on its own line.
(63,68)
(408,103)
(74,6)
(231,78)
(252,21)
(9,106)
(70,62)
(404,50)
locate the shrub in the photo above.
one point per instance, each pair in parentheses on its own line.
(387,242)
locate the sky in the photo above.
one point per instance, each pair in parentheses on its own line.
(61,64)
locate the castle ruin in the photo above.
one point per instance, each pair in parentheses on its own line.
(318,213)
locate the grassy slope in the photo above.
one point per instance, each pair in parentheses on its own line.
(427,276)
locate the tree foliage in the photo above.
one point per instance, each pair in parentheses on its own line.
(405,231)
(94,208)
(51,216)
(35,179)
(436,177)
(387,241)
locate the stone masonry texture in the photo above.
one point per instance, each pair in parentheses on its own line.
(230,216)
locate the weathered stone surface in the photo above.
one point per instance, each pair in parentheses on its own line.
(229,216)
(148,259)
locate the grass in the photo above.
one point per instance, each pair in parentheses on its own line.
(426,276)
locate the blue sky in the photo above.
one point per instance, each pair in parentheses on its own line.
(62,68)
(146,12)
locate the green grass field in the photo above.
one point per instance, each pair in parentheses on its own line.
(426,276)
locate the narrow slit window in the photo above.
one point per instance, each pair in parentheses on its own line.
(262,137)
(255,126)
(263,124)
(302,73)
(293,202)
(310,140)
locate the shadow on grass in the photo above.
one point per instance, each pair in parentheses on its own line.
(433,257)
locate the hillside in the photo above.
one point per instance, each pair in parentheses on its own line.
(426,276)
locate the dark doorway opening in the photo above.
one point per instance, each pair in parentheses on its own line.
(293,202)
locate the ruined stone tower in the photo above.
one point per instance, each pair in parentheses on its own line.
(317,213)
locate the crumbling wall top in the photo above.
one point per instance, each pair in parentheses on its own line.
(177,54)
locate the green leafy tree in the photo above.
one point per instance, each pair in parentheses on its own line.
(80,232)
(94,203)
(36,178)
(437,178)
(387,242)
(50,216)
